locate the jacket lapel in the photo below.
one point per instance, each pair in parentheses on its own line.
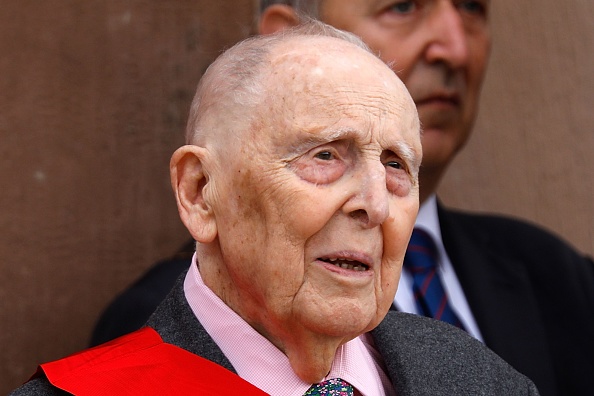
(423,356)
(176,324)
(500,295)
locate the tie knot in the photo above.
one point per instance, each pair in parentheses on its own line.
(421,253)
(331,387)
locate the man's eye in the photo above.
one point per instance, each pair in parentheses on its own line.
(324,155)
(403,7)
(394,164)
(473,7)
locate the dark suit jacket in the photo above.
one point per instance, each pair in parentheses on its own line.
(422,356)
(530,293)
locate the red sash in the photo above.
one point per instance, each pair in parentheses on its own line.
(140,363)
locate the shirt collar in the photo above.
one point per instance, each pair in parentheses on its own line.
(428,220)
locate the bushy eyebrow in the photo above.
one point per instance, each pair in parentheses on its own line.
(316,137)
(405,151)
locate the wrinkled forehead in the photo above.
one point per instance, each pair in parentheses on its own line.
(317,82)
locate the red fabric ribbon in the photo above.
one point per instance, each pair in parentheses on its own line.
(140,363)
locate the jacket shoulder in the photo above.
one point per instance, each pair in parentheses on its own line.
(38,387)
(501,231)
(547,257)
(424,356)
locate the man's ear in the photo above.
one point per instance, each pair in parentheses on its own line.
(189,181)
(277,17)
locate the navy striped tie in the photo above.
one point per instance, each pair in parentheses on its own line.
(421,261)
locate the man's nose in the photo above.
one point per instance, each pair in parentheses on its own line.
(447,41)
(369,201)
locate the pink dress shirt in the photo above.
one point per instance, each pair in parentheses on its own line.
(259,362)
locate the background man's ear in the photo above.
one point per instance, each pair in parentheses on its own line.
(189,180)
(277,17)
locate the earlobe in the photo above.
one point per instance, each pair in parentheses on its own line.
(190,180)
(277,17)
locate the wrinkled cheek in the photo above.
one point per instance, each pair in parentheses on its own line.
(405,212)
(332,312)
(396,233)
(388,284)
(308,216)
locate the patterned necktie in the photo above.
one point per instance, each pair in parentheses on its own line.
(331,387)
(421,261)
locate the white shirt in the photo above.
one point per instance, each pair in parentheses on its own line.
(428,221)
(258,361)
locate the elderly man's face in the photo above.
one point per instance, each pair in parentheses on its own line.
(316,205)
(439,48)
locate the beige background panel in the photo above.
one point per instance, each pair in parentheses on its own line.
(93,100)
(532,151)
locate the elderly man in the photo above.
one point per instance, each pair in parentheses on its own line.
(520,290)
(300,185)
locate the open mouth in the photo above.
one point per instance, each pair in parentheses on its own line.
(346,263)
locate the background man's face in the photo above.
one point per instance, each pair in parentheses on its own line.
(439,48)
(318,203)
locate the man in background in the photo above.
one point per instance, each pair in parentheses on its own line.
(520,290)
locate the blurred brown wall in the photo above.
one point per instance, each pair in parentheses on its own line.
(532,151)
(94,96)
(93,100)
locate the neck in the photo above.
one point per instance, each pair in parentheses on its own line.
(310,353)
(312,359)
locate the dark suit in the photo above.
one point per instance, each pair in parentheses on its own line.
(531,295)
(422,356)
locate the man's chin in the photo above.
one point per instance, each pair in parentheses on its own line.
(346,325)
